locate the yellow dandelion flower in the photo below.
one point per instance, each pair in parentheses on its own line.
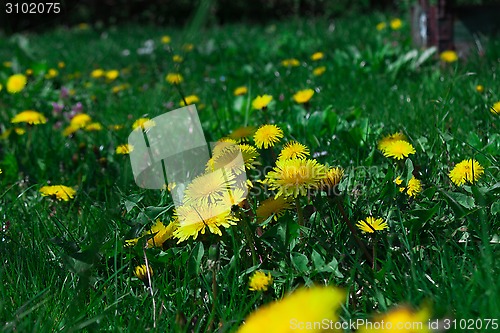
(16,83)
(61,64)
(275,207)
(385,141)
(303,96)
(305,305)
(480,88)
(495,109)
(260,281)
(141,272)
(177,58)
(195,219)
(97,73)
(261,101)
(51,73)
(292,62)
(242,133)
(267,136)
(29,72)
(399,149)
(7,64)
(174,78)
(120,87)
(124,149)
(319,70)
(295,176)
(160,233)
(317,56)
(398,181)
(93,127)
(293,149)
(71,129)
(371,224)
(467,171)
(80,120)
(208,188)
(396,24)
(222,144)
(414,187)
(165,39)
(143,123)
(240,91)
(332,178)
(448,56)
(191,99)
(1,87)
(401,319)
(115,127)
(112,74)
(381,26)
(30,117)
(60,192)
(19,131)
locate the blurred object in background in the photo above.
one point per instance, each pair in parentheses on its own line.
(454,25)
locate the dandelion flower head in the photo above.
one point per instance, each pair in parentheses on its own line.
(30,117)
(467,171)
(267,136)
(372,224)
(260,281)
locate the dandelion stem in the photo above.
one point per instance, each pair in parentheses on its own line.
(249,240)
(150,287)
(354,233)
(214,254)
(300,212)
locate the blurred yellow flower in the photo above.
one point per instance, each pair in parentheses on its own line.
(52,73)
(30,117)
(165,39)
(97,73)
(260,281)
(1,87)
(16,83)
(267,135)
(177,58)
(187,47)
(448,56)
(495,109)
(305,306)
(319,70)
(381,26)
(143,123)
(303,96)
(174,78)
(93,127)
(191,99)
(479,88)
(124,149)
(29,71)
(292,62)
(61,64)
(396,24)
(261,101)
(413,188)
(7,64)
(240,91)
(80,120)
(242,133)
(60,192)
(112,74)
(317,56)
(371,224)
(401,320)
(467,171)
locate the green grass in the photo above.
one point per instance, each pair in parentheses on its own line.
(64,264)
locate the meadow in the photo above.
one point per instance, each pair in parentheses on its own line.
(372,169)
